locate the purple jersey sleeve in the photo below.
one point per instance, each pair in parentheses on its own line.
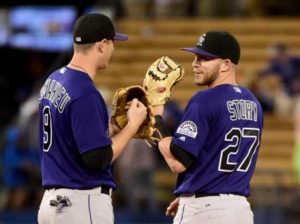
(89,123)
(192,124)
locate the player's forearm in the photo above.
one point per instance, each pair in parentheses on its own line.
(173,163)
(113,129)
(121,139)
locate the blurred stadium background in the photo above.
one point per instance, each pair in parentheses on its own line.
(37,39)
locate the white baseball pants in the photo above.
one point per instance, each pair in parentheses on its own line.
(87,206)
(223,209)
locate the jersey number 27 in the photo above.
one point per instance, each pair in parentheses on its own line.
(237,135)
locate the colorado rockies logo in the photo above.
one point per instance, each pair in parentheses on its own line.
(201,40)
(188,128)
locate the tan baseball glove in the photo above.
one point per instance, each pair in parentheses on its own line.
(160,78)
(119,113)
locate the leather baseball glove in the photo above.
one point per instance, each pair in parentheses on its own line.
(160,78)
(119,113)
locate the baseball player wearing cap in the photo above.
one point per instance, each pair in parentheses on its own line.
(78,144)
(214,149)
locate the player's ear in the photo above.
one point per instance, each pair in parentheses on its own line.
(226,65)
(101,44)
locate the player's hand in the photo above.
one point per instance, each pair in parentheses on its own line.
(173,208)
(136,113)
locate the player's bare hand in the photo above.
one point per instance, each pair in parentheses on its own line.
(128,105)
(136,113)
(173,208)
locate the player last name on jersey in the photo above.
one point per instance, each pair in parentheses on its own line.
(242,110)
(56,93)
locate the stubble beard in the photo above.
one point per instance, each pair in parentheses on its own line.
(208,78)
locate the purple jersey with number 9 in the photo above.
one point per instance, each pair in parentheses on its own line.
(73,121)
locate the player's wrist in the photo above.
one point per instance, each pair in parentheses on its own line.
(131,127)
(158,110)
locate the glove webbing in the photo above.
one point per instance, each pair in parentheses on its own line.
(160,131)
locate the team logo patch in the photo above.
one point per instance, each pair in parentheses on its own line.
(188,128)
(201,40)
(237,89)
(62,70)
(182,138)
(78,39)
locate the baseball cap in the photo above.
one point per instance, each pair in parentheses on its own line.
(217,44)
(94,27)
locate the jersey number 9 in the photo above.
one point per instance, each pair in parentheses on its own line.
(47,128)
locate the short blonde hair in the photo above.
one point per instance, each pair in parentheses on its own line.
(82,48)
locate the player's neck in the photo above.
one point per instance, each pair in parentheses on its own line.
(82,64)
(228,78)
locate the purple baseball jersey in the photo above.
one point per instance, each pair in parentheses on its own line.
(222,128)
(73,120)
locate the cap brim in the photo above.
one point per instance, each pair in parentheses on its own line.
(120,37)
(198,51)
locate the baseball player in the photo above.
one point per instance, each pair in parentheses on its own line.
(78,145)
(214,149)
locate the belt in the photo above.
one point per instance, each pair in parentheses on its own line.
(103,190)
(200,195)
(106,190)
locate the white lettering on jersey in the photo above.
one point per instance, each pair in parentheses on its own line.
(56,93)
(188,128)
(242,110)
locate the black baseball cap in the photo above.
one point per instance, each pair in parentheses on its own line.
(94,27)
(217,44)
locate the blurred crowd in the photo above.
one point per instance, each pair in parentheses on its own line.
(199,8)
(277,86)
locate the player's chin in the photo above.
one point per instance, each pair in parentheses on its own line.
(199,81)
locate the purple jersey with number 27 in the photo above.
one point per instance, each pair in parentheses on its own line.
(73,120)
(222,128)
